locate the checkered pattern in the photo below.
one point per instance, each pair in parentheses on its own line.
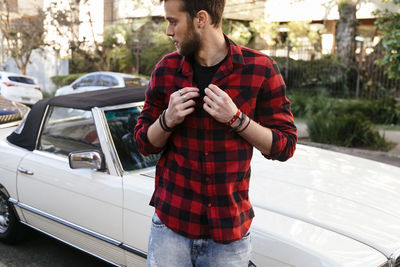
(202,178)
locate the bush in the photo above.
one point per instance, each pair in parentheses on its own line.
(378,111)
(349,130)
(326,74)
(62,80)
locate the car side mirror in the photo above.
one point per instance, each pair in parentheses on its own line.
(76,85)
(93,160)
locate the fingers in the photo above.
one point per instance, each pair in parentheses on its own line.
(215,90)
(181,104)
(218,104)
(185,94)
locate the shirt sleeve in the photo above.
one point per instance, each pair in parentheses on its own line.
(273,111)
(153,107)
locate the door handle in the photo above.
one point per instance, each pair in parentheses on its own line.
(25,171)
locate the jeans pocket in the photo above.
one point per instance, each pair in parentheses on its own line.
(243,245)
(157,223)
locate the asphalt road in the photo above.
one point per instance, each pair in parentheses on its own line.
(39,250)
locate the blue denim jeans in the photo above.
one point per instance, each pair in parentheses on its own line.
(169,249)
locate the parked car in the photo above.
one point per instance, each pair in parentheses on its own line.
(101,80)
(72,171)
(20,88)
(11,113)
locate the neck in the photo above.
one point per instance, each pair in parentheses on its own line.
(213,48)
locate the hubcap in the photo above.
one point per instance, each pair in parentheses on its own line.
(4,214)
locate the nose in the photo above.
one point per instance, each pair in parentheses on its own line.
(169,31)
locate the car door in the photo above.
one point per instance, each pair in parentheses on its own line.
(138,182)
(80,206)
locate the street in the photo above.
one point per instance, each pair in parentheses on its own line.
(40,250)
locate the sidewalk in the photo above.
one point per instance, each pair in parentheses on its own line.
(391,157)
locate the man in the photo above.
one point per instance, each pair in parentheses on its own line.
(207,105)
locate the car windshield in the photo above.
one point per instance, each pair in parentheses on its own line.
(20,79)
(121,123)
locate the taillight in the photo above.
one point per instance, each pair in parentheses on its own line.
(37,88)
(9,84)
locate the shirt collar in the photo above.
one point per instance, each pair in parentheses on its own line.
(235,57)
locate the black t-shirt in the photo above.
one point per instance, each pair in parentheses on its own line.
(202,76)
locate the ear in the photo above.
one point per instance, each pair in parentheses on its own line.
(201,19)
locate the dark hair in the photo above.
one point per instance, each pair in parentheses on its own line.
(213,7)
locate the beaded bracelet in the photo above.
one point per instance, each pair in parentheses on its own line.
(234,118)
(163,123)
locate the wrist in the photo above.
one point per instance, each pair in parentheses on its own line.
(241,124)
(234,120)
(163,122)
(167,120)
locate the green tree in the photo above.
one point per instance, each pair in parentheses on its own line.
(125,42)
(22,35)
(237,31)
(301,31)
(268,31)
(388,23)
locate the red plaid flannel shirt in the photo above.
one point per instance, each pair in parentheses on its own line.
(202,177)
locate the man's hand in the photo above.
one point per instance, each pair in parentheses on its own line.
(218,104)
(180,105)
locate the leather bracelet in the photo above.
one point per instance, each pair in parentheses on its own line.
(241,118)
(234,118)
(163,123)
(245,127)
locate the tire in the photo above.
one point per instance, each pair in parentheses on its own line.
(11,230)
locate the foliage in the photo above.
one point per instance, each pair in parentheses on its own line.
(64,17)
(237,31)
(301,32)
(152,54)
(268,31)
(350,130)
(22,35)
(327,74)
(378,111)
(388,23)
(82,61)
(62,80)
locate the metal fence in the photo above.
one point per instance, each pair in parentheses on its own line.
(305,68)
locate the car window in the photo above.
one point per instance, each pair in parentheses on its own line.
(133,81)
(107,80)
(66,130)
(87,81)
(20,79)
(121,123)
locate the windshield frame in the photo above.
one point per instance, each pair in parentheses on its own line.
(115,155)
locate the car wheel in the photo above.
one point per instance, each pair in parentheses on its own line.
(11,230)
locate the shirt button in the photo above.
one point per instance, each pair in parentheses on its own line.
(209,205)
(207,179)
(206,154)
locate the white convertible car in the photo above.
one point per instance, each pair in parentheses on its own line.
(71,170)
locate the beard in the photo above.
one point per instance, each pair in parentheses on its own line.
(191,43)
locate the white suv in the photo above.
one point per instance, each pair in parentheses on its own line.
(101,80)
(19,88)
